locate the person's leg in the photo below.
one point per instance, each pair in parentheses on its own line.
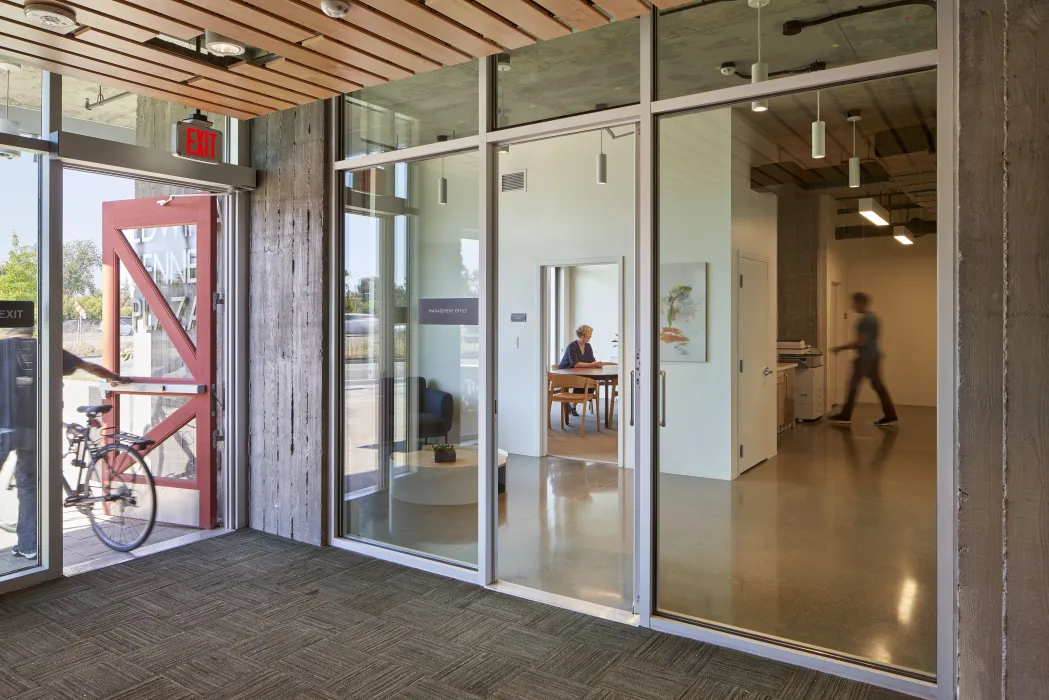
(854,385)
(25,481)
(887,406)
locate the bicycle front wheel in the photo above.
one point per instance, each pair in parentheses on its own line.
(122,500)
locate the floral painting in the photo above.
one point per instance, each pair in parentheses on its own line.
(683,312)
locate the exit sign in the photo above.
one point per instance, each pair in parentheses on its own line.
(194,139)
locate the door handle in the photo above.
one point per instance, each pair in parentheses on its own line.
(767,372)
(663,400)
(631,398)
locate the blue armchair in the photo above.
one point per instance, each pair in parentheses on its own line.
(435,411)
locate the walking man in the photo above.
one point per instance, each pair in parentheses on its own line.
(866,365)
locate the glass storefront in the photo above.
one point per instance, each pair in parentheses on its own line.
(704,46)
(415,111)
(584,72)
(410,357)
(19,367)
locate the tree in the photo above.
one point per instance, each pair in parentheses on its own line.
(81,260)
(18,275)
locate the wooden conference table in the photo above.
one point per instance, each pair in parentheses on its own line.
(604,377)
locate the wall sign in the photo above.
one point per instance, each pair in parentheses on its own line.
(194,139)
(448,312)
(518,318)
(16,314)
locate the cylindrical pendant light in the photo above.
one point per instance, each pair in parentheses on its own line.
(819,133)
(442,182)
(602,163)
(854,161)
(759,72)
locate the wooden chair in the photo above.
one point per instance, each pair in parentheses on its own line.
(593,406)
(613,389)
(558,391)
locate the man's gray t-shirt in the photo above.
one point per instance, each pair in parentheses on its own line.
(868,329)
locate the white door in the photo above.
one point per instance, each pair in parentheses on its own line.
(756,390)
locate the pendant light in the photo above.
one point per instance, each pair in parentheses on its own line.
(854,161)
(819,133)
(442,182)
(759,72)
(8,125)
(872,210)
(602,162)
(900,231)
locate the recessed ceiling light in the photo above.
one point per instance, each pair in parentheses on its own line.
(51,16)
(222,45)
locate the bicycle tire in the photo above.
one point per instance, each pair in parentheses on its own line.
(136,490)
(8,499)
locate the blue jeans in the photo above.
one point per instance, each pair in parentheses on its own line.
(25,482)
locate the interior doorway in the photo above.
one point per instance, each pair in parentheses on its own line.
(583,298)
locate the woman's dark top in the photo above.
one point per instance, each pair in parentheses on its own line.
(573,355)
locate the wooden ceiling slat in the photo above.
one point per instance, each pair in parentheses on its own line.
(148,90)
(408,37)
(189,65)
(95,19)
(483,21)
(349,56)
(315,91)
(436,25)
(248,35)
(528,17)
(667,4)
(623,9)
(293,72)
(223,88)
(581,15)
(50,53)
(347,34)
(279,27)
(71,45)
(156,23)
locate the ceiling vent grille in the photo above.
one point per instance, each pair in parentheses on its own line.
(513,182)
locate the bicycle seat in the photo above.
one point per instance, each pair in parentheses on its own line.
(99,410)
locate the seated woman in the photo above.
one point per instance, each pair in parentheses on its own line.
(580,355)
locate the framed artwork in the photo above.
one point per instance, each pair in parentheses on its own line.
(683,312)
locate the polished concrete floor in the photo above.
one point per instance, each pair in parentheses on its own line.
(593,445)
(831,543)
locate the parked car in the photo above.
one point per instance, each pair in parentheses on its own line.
(126,326)
(360,324)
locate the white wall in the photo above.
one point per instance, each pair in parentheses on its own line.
(831,269)
(438,256)
(754,228)
(564,217)
(902,282)
(708,212)
(595,302)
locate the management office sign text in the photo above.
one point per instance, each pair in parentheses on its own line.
(448,312)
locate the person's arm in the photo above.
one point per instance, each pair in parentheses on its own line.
(860,341)
(593,363)
(99,371)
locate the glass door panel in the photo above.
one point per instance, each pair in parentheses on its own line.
(410,315)
(19,370)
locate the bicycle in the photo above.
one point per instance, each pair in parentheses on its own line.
(115,490)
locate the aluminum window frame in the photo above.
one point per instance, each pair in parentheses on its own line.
(644,114)
(60,150)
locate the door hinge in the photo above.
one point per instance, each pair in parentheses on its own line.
(741,281)
(216,438)
(741,451)
(741,366)
(216,299)
(214,400)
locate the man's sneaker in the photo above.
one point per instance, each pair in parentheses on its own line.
(886,422)
(19,553)
(840,419)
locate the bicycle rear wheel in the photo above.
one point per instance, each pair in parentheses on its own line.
(124,515)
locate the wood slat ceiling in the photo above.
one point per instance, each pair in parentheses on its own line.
(298,55)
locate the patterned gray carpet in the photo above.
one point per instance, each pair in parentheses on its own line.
(256,617)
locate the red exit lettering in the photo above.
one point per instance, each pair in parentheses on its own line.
(200,143)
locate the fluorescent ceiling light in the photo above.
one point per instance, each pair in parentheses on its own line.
(874,212)
(901,234)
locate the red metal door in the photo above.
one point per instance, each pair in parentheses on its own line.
(158,257)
